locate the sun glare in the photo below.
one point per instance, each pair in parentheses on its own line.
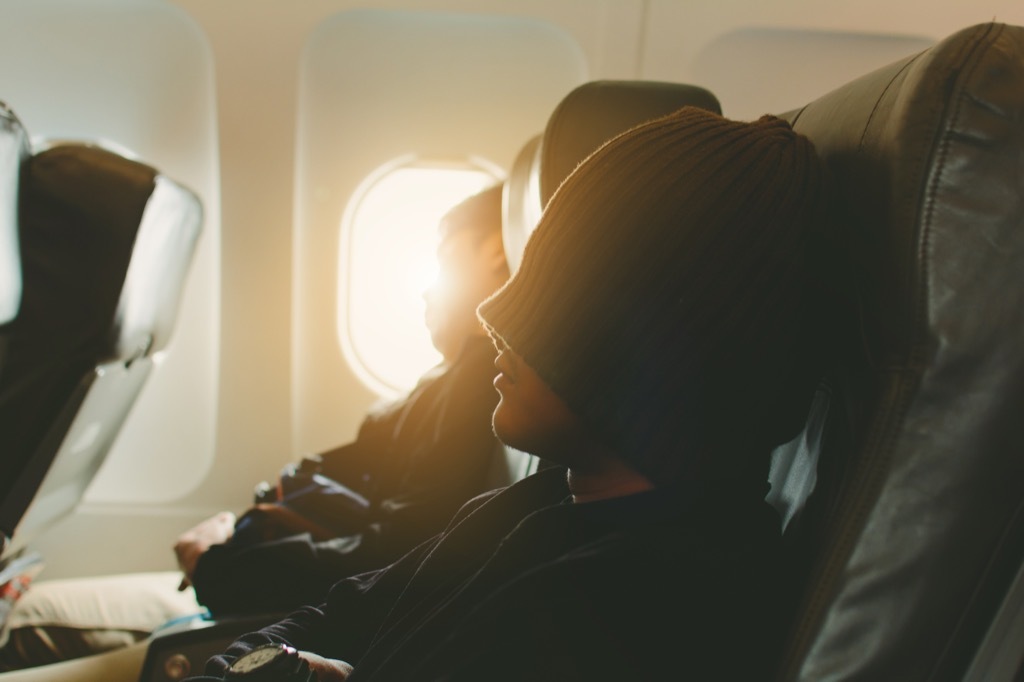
(388,260)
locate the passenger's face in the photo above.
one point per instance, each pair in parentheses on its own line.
(469,272)
(530,416)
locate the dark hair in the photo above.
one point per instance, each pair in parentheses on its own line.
(480,213)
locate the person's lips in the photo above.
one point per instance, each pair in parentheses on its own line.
(506,370)
(502,383)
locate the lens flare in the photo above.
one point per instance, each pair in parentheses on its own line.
(389,261)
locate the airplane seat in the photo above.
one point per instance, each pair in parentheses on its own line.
(105,245)
(13,151)
(911,538)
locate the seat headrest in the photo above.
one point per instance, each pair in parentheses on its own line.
(521,207)
(155,281)
(597,111)
(97,203)
(586,118)
(14,150)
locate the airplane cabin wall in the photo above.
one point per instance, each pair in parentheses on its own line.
(770,57)
(282,387)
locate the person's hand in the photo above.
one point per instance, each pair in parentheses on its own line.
(191,544)
(326,669)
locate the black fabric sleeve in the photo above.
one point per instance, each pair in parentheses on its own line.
(431,451)
(452,456)
(273,576)
(350,463)
(345,624)
(339,628)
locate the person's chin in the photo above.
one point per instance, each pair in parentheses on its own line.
(503,422)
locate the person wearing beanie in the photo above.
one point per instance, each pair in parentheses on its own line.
(666,320)
(657,341)
(415,461)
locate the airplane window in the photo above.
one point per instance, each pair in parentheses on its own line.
(389,238)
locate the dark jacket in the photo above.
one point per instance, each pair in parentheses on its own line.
(672,584)
(417,460)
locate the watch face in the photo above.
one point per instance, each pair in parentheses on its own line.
(258,658)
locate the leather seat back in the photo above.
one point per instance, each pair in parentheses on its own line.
(13,152)
(914,535)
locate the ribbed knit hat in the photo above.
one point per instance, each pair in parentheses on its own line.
(665,295)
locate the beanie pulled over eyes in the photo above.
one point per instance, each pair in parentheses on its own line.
(665,295)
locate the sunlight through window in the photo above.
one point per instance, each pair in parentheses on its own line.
(389,239)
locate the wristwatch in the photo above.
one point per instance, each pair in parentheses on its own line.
(271,663)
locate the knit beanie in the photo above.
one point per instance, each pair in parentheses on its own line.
(666,297)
